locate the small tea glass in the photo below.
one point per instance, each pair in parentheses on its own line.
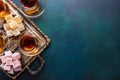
(35,10)
(29,45)
(4,42)
(33,52)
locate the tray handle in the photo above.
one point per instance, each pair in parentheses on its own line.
(39,68)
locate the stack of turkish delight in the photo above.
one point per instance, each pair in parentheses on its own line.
(13,25)
(11,62)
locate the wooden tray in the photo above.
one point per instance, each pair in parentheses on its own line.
(31,27)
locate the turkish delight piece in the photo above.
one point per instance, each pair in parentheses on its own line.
(16,32)
(9,33)
(6,67)
(3,59)
(18,19)
(16,56)
(11,71)
(18,69)
(13,25)
(8,54)
(8,61)
(21,27)
(8,18)
(16,64)
(6,27)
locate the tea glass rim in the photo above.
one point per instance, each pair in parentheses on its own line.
(34,16)
(30,7)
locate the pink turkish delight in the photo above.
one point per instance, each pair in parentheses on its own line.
(16,64)
(8,61)
(16,56)
(11,71)
(8,54)
(18,69)
(6,67)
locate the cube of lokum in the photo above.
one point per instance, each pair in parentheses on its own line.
(8,61)
(16,56)
(18,19)
(13,25)
(8,54)
(6,67)
(9,33)
(21,27)
(11,71)
(6,27)
(8,18)
(16,32)
(18,69)
(16,64)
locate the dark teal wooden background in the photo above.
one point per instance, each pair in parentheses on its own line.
(85,41)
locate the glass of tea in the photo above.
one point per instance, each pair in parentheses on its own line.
(33,8)
(4,10)
(29,44)
(4,41)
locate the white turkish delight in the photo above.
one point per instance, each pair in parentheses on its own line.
(13,25)
(18,19)
(6,27)
(21,27)
(8,18)
(9,33)
(16,32)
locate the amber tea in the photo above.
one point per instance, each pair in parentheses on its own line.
(3,41)
(27,43)
(4,10)
(2,44)
(30,6)
(29,3)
